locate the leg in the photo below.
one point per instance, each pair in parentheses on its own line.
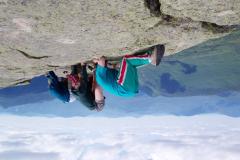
(128,77)
(138,60)
(152,55)
(52,78)
(129,64)
(57,88)
(141,57)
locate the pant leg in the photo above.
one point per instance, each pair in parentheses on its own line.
(139,58)
(128,77)
(57,88)
(52,77)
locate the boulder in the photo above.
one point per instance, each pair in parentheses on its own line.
(38,36)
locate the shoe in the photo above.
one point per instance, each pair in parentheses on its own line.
(157,54)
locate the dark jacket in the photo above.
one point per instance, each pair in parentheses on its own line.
(84,93)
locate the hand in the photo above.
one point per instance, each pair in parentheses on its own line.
(100,61)
(95,60)
(83,63)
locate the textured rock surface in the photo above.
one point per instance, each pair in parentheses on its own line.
(220,12)
(36,36)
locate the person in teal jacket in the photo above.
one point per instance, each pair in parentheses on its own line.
(124,81)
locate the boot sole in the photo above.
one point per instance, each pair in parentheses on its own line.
(160,53)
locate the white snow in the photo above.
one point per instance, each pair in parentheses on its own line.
(204,137)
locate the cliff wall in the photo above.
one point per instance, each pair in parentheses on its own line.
(37,36)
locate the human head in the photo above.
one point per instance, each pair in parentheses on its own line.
(99,98)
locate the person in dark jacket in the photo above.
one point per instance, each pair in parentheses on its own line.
(79,85)
(85,89)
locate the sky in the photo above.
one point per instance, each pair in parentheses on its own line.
(189,108)
(201,137)
(138,106)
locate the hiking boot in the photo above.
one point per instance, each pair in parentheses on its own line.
(157,54)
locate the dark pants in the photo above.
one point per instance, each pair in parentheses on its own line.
(58,88)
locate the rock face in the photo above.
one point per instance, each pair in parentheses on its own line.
(220,12)
(37,36)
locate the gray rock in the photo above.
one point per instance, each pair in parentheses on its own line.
(220,12)
(37,36)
